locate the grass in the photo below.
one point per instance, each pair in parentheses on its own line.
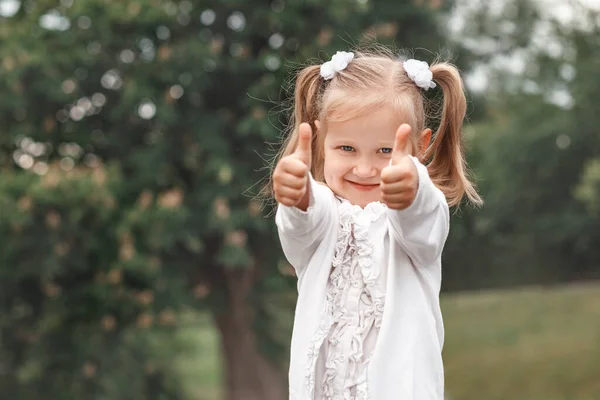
(526,344)
(201,369)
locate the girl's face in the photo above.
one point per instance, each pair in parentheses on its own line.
(355,152)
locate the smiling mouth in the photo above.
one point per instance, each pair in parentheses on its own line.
(363,187)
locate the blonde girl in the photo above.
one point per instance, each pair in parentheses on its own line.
(363,188)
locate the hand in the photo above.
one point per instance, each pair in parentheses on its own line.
(290,178)
(400,179)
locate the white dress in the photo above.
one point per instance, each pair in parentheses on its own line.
(355,303)
(368,324)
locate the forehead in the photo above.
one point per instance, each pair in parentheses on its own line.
(379,124)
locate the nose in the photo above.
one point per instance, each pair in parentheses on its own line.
(364,170)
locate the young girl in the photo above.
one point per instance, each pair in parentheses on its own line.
(363,215)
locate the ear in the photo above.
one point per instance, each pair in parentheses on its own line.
(318,124)
(425,139)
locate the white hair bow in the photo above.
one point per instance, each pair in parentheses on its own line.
(420,73)
(338,62)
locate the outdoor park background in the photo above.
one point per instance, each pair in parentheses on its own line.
(136,261)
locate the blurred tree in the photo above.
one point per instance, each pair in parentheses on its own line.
(173,100)
(536,153)
(80,289)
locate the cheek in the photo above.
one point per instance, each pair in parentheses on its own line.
(334,166)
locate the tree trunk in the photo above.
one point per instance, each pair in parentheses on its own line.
(249,375)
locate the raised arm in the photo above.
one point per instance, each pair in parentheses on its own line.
(305,207)
(418,213)
(422,228)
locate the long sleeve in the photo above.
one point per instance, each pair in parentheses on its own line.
(300,232)
(422,228)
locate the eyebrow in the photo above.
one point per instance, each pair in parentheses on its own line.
(349,142)
(341,138)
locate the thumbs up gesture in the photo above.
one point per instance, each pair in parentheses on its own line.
(399,180)
(290,177)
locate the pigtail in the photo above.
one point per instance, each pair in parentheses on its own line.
(447,166)
(307,94)
(306,109)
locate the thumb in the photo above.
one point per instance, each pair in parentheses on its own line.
(401,144)
(304,148)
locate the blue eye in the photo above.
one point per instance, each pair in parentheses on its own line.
(347,148)
(386,150)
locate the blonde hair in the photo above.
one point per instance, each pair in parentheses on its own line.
(375,79)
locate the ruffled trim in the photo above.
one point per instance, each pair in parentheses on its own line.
(353,238)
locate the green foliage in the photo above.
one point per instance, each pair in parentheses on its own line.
(534,157)
(81,285)
(588,191)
